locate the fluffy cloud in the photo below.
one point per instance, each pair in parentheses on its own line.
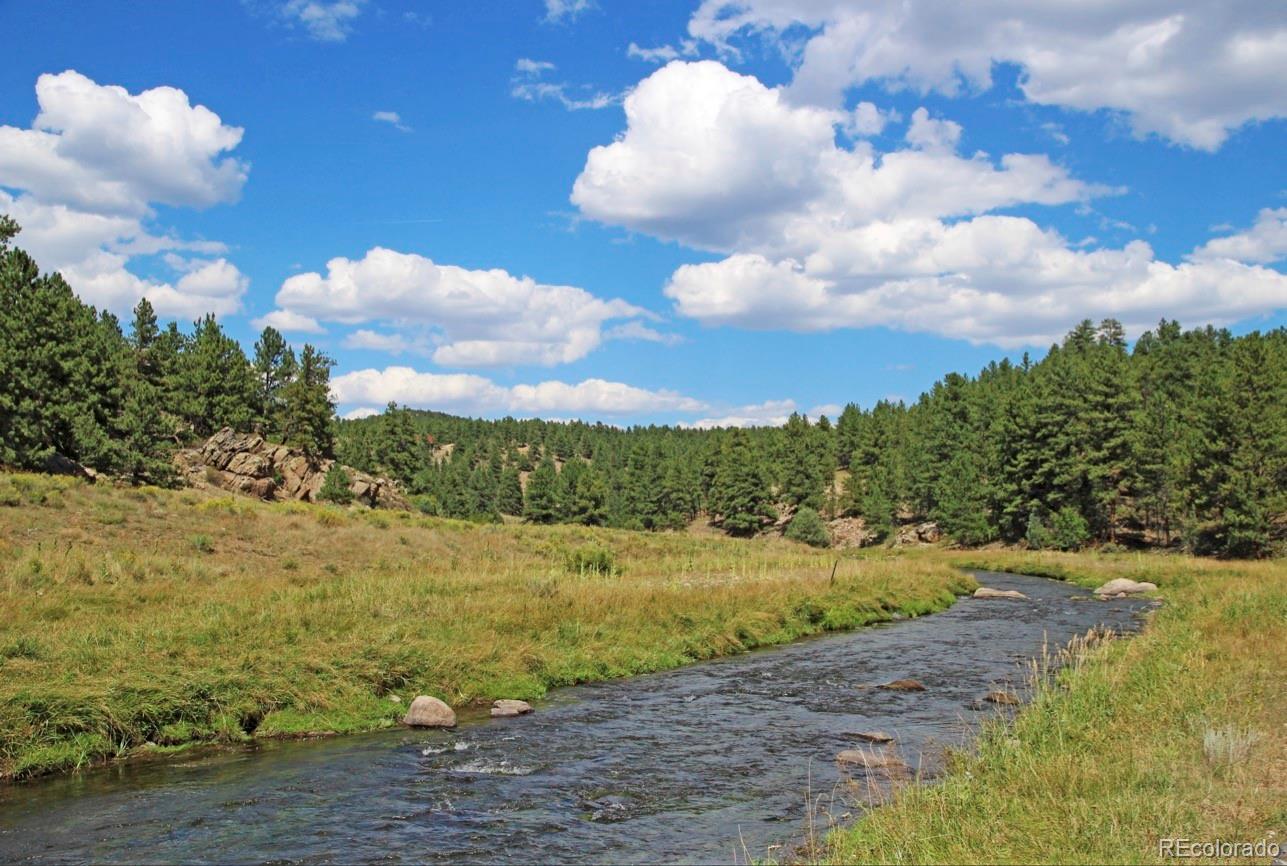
(100,149)
(820,236)
(87,174)
(464,392)
(479,318)
(1263,243)
(1190,71)
(285,320)
(718,161)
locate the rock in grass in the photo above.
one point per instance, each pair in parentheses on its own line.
(427,712)
(874,737)
(870,759)
(989,592)
(506,708)
(1124,586)
(1008,699)
(904,686)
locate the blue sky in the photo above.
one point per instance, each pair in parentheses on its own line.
(666,211)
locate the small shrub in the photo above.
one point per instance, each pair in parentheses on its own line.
(1069,529)
(379,521)
(807,527)
(202,543)
(426,504)
(1038,535)
(330,517)
(592,559)
(335,487)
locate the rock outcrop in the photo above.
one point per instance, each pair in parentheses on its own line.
(919,533)
(506,708)
(429,712)
(850,532)
(247,463)
(1122,586)
(989,592)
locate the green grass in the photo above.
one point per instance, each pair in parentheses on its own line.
(186,618)
(1177,732)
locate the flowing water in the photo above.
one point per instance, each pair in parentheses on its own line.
(712,762)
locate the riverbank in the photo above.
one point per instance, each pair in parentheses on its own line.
(1176,733)
(137,620)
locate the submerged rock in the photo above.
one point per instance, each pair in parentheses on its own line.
(870,759)
(429,712)
(506,708)
(1122,586)
(874,737)
(989,592)
(904,686)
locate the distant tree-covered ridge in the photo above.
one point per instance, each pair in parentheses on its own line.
(1179,440)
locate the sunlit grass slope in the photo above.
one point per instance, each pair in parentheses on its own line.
(150,618)
(1180,732)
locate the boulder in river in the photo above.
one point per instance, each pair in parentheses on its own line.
(429,712)
(989,592)
(506,708)
(1008,699)
(870,759)
(1122,586)
(874,737)
(904,686)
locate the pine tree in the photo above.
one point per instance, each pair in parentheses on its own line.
(336,486)
(274,367)
(307,413)
(542,503)
(740,493)
(509,495)
(215,383)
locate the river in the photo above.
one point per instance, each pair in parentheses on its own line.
(714,762)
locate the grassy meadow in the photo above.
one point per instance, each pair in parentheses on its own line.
(1179,732)
(143,619)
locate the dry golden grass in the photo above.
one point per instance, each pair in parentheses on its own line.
(150,618)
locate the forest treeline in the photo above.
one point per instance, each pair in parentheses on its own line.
(74,383)
(1178,440)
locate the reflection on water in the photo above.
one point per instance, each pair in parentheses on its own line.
(706,763)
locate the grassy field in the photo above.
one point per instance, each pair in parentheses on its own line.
(1180,732)
(143,619)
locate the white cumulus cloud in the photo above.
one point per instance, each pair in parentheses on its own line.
(469,393)
(475,317)
(1263,243)
(84,179)
(1190,71)
(819,236)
